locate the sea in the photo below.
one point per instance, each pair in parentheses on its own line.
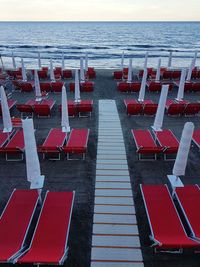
(104,42)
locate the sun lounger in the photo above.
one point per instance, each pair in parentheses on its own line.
(49,242)
(77,143)
(84,107)
(191,109)
(15,223)
(150,109)
(196,87)
(90,73)
(45,86)
(175,109)
(67,74)
(167,75)
(117,75)
(129,87)
(15,147)
(43,109)
(196,138)
(26,87)
(168,141)
(25,110)
(154,86)
(145,144)
(43,74)
(53,144)
(133,107)
(167,231)
(189,200)
(57,87)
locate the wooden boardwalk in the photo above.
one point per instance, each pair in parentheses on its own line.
(115,237)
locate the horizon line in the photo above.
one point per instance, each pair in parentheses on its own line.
(86,21)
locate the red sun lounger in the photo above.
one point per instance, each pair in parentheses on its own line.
(167,231)
(189,200)
(168,141)
(53,144)
(175,109)
(196,138)
(145,144)
(15,222)
(84,87)
(43,109)
(15,147)
(84,107)
(26,87)
(25,110)
(150,109)
(133,107)
(45,86)
(117,75)
(49,242)
(57,87)
(67,74)
(191,109)
(4,137)
(77,142)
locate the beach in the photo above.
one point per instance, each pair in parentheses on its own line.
(79,175)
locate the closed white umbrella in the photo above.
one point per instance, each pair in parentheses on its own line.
(24,76)
(32,162)
(143,86)
(189,74)
(77,87)
(183,150)
(52,76)
(122,61)
(7,124)
(158,70)
(145,60)
(38,95)
(129,80)
(180,94)
(2,65)
(86,62)
(63,62)
(158,122)
(195,58)
(82,74)
(65,116)
(170,60)
(13,61)
(39,61)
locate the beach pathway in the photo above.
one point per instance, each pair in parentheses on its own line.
(115,237)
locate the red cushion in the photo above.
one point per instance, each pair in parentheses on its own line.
(77,142)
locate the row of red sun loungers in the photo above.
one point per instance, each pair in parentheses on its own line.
(156,86)
(58,73)
(55,87)
(167,229)
(151,73)
(173,108)
(75,145)
(163,142)
(49,240)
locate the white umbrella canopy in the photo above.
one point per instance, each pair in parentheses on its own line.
(39,61)
(82,74)
(77,87)
(38,95)
(145,60)
(13,61)
(86,62)
(63,62)
(24,76)
(122,61)
(180,94)
(143,86)
(2,65)
(158,70)
(129,80)
(65,116)
(7,123)
(158,122)
(183,150)
(195,58)
(52,76)
(189,74)
(32,162)
(170,60)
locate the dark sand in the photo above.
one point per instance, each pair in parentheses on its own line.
(80,175)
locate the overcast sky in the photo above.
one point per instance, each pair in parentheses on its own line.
(100,10)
